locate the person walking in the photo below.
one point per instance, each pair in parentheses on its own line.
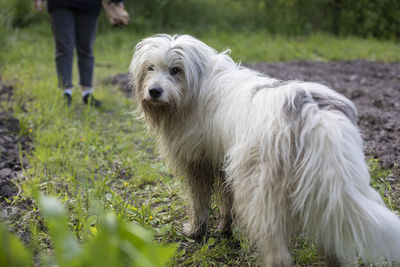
(74,24)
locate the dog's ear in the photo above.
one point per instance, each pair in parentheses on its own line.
(137,69)
(195,57)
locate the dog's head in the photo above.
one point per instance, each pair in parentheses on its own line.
(167,72)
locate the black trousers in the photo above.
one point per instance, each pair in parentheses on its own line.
(72,29)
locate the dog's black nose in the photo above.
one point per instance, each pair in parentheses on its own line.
(155,92)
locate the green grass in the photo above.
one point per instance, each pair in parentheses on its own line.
(89,158)
(258,47)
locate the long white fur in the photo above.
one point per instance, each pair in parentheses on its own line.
(293,162)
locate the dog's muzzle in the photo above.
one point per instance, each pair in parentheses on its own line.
(155,93)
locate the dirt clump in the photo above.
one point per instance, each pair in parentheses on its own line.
(123,81)
(11,164)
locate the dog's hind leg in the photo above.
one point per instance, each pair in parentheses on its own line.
(264,218)
(261,211)
(199,185)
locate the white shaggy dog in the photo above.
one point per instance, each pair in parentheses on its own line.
(284,157)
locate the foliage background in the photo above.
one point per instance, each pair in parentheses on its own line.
(342,17)
(364,18)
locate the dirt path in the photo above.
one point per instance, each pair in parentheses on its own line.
(11,165)
(374,88)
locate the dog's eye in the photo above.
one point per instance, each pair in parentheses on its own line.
(150,68)
(174,70)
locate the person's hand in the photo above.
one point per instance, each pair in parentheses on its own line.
(38,4)
(118,4)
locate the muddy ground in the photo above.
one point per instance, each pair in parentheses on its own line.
(374,88)
(10,140)
(11,164)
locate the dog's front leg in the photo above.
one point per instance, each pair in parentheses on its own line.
(224,225)
(199,186)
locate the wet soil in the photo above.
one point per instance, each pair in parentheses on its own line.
(122,80)
(11,164)
(374,87)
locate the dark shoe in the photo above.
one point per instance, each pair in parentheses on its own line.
(67,99)
(89,99)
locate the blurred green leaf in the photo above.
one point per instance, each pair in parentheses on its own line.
(12,252)
(115,242)
(67,248)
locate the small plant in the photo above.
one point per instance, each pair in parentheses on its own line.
(12,252)
(115,243)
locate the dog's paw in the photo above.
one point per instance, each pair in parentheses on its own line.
(278,258)
(195,232)
(332,261)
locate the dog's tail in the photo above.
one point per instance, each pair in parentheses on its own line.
(331,193)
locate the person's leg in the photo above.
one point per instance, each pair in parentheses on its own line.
(85,28)
(63,27)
